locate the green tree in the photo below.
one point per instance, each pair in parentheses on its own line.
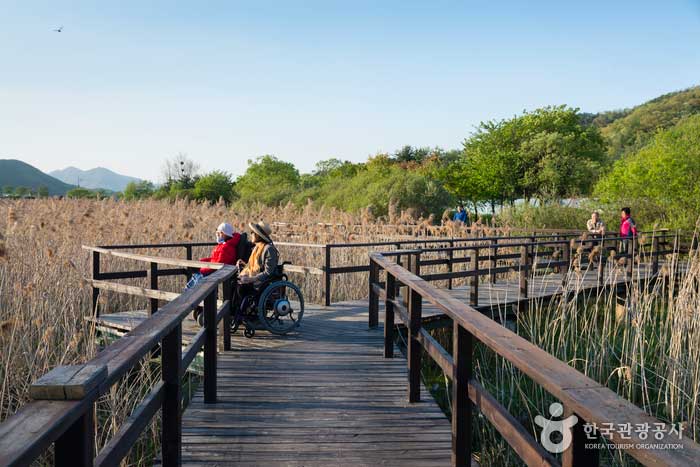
(268,180)
(79,192)
(213,186)
(43,191)
(545,154)
(8,189)
(21,191)
(138,190)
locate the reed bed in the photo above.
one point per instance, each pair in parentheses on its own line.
(44,298)
(647,349)
(643,343)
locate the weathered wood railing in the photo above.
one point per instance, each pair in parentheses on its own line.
(184,267)
(590,401)
(62,413)
(450,246)
(526,258)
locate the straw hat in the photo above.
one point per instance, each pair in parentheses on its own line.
(262,229)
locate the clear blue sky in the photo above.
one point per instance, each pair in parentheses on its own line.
(128,84)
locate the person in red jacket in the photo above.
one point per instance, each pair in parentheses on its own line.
(627,226)
(628,230)
(224,252)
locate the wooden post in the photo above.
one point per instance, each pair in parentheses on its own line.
(171,432)
(153,284)
(630,256)
(601,262)
(414,266)
(415,305)
(676,245)
(95,276)
(577,455)
(76,446)
(474,293)
(450,268)
(327,276)
(494,259)
(398,258)
(389,316)
(210,348)
(462,346)
(655,255)
(524,269)
(373,307)
(188,255)
(566,253)
(228,295)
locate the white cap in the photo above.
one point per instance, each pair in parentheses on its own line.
(226,229)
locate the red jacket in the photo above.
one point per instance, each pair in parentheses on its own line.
(628,228)
(222,253)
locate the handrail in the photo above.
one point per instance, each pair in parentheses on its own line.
(328,270)
(538,237)
(590,401)
(70,424)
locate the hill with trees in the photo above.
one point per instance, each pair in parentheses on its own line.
(627,131)
(661,179)
(20,178)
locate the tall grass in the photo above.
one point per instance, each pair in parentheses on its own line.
(642,342)
(648,351)
(44,299)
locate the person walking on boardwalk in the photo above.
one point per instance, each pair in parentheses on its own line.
(595,225)
(460,215)
(224,252)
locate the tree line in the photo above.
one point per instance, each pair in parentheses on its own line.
(546,155)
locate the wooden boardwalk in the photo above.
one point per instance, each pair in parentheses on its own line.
(502,295)
(323,397)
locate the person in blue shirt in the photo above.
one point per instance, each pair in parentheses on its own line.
(460,215)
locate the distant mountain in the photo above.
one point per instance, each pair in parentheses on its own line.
(629,130)
(94,178)
(16,174)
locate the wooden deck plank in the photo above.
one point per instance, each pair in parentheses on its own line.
(345,316)
(327,397)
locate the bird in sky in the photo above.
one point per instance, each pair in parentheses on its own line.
(58,29)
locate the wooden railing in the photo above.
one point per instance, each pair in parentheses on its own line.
(448,246)
(525,258)
(62,412)
(490,244)
(590,401)
(185,267)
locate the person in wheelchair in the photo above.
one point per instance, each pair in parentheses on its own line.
(263,261)
(264,298)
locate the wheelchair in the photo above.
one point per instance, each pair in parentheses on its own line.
(276,305)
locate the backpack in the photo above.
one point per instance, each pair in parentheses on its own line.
(244,247)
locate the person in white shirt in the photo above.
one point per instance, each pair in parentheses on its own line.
(595,225)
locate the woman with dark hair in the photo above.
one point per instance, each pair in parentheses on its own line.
(628,229)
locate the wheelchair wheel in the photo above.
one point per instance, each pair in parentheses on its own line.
(280,307)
